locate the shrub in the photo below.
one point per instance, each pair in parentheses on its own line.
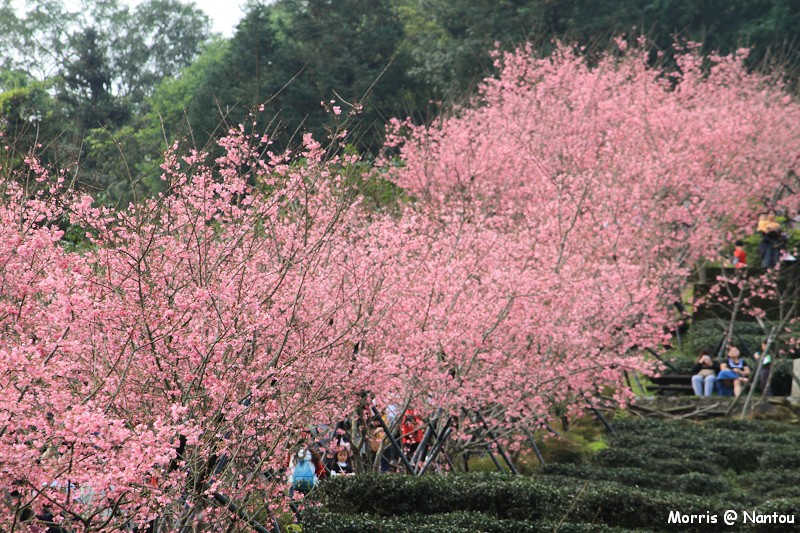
(780,457)
(654,467)
(752,427)
(506,498)
(781,506)
(641,458)
(575,449)
(615,457)
(630,507)
(690,483)
(698,484)
(320,521)
(496,494)
(779,482)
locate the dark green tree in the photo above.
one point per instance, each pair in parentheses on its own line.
(29,117)
(101,61)
(293,55)
(252,69)
(154,42)
(87,84)
(451,55)
(351,50)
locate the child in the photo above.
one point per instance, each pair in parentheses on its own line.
(341,466)
(739,255)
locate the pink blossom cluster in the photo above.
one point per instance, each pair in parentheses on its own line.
(558,217)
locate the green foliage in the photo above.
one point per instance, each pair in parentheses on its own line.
(130,51)
(164,37)
(696,483)
(781,506)
(130,81)
(452,55)
(290,56)
(320,521)
(775,483)
(578,444)
(502,496)
(506,498)
(776,457)
(75,81)
(651,467)
(740,446)
(767,432)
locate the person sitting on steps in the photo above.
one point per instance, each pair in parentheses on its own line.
(735,369)
(705,372)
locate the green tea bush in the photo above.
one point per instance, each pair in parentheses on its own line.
(618,457)
(496,494)
(638,431)
(724,444)
(749,428)
(641,458)
(781,506)
(506,498)
(320,521)
(630,507)
(780,457)
(690,483)
(776,483)
(698,484)
(669,450)
(652,467)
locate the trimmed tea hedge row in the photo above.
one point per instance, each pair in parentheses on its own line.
(508,498)
(781,506)
(321,521)
(495,494)
(778,483)
(651,469)
(746,429)
(740,446)
(617,458)
(691,483)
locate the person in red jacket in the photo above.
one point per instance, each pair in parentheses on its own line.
(739,255)
(412,429)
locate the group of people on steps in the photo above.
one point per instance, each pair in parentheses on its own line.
(710,375)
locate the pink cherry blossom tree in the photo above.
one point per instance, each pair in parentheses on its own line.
(559,216)
(163,374)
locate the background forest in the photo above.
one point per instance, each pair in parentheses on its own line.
(104,89)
